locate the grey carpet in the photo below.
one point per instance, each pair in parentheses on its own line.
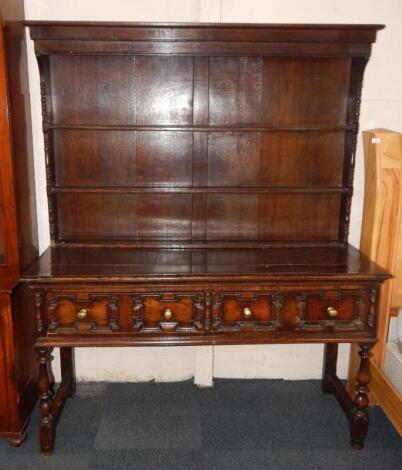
(236,425)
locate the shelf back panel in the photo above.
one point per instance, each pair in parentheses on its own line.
(203,140)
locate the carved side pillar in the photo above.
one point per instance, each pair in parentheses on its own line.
(359,418)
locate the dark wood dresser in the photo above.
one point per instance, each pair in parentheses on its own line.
(18,239)
(199,179)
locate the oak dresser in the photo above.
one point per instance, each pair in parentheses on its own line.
(199,180)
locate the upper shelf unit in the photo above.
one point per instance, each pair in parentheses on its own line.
(200,133)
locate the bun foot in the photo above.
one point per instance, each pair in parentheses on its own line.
(357,445)
(46,453)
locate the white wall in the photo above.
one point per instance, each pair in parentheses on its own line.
(381,107)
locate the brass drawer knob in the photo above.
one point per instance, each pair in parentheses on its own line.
(332,312)
(82,314)
(167,314)
(247,313)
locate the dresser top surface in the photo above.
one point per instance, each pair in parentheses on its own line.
(134,264)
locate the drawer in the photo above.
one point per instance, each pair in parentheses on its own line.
(340,310)
(189,312)
(246,311)
(82,313)
(168,312)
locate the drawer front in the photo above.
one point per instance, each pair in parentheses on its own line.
(309,311)
(168,312)
(200,312)
(82,313)
(335,310)
(246,311)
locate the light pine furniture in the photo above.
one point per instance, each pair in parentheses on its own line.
(381,240)
(199,180)
(18,241)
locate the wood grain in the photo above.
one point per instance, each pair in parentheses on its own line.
(388,396)
(200,181)
(381,241)
(167,123)
(18,237)
(9,255)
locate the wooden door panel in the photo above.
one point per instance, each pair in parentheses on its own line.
(2,229)
(8,393)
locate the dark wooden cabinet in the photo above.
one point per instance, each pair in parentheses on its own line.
(9,260)
(18,243)
(200,179)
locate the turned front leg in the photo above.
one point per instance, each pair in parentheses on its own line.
(46,428)
(359,417)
